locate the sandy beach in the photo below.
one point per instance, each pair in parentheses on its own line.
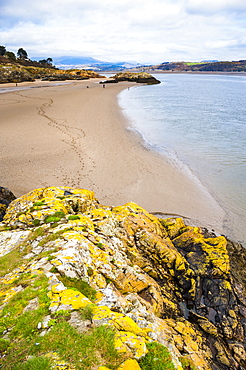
(72,135)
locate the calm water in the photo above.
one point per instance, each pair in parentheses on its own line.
(199,123)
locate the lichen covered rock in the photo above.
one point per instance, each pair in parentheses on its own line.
(69,262)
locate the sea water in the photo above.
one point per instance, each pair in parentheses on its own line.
(198,121)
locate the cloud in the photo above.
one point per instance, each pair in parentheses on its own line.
(148,32)
(218,44)
(212,6)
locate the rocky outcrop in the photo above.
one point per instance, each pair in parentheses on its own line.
(6,197)
(10,74)
(167,294)
(76,74)
(141,77)
(17,73)
(63,77)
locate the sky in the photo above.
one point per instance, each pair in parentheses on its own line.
(143,31)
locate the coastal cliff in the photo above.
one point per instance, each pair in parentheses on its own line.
(87,286)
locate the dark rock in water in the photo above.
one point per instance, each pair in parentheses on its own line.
(6,197)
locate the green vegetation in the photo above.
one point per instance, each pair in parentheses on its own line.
(92,348)
(46,62)
(187,364)
(36,233)
(107,279)
(48,254)
(4,344)
(2,50)
(38,204)
(193,63)
(207,66)
(5,228)
(80,285)
(22,54)
(89,271)
(158,358)
(12,260)
(50,219)
(101,246)
(52,236)
(87,312)
(12,315)
(73,217)
(35,363)
(62,315)
(56,217)
(11,56)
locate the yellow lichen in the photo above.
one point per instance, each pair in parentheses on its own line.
(123,322)
(101,312)
(134,343)
(174,226)
(82,223)
(98,280)
(215,251)
(129,364)
(135,217)
(74,298)
(69,297)
(118,320)
(8,294)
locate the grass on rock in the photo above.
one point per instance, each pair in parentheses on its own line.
(158,358)
(84,351)
(23,348)
(80,285)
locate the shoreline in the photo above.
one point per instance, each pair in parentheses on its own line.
(71,135)
(201,73)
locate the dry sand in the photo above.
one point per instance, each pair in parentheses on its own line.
(71,135)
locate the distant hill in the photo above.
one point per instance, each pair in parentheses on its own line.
(206,66)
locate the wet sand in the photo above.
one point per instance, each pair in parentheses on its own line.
(71,135)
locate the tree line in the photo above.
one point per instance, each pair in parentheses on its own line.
(21,55)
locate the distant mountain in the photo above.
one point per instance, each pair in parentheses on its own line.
(68,62)
(210,61)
